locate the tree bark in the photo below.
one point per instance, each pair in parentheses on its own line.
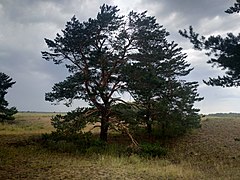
(104,127)
(149,127)
(163,129)
(148,121)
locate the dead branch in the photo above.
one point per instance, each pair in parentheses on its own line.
(121,127)
(96,126)
(90,112)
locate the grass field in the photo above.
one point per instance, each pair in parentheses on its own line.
(212,152)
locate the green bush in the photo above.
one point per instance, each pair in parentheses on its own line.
(73,143)
(147,150)
(85,143)
(62,143)
(175,124)
(72,122)
(152,150)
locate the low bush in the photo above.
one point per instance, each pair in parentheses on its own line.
(147,150)
(72,143)
(152,150)
(86,143)
(71,123)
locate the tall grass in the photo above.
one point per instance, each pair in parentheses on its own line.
(33,162)
(204,154)
(34,123)
(23,158)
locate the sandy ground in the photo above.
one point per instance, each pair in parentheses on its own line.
(214,149)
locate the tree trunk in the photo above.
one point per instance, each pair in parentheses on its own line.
(149,127)
(149,123)
(163,129)
(104,127)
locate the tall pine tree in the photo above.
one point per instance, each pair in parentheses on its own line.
(97,53)
(5,112)
(153,78)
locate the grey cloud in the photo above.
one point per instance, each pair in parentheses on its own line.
(218,99)
(189,9)
(25,24)
(202,15)
(48,11)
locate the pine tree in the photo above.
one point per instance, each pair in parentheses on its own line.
(94,53)
(5,112)
(224,52)
(153,78)
(97,54)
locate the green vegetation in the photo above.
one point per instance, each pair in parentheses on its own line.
(150,138)
(30,123)
(211,152)
(223,52)
(5,112)
(112,54)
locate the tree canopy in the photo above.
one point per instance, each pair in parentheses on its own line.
(112,54)
(235,8)
(223,51)
(5,112)
(94,53)
(153,79)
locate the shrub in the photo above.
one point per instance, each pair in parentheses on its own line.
(147,150)
(71,123)
(152,150)
(72,143)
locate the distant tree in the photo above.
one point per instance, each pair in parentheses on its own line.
(224,52)
(5,112)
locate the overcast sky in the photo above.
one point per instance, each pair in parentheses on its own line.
(25,23)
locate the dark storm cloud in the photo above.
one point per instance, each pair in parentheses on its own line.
(206,16)
(193,8)
(48,11)
(188,10)
(25,24)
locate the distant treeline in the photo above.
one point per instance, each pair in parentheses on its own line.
(42,112)
(225,114)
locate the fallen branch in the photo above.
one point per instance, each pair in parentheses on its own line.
(121,127)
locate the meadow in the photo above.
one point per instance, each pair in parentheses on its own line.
(211,152)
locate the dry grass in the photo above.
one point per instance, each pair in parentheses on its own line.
(214,149)
(28,123)
(34,163)
(212,152)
